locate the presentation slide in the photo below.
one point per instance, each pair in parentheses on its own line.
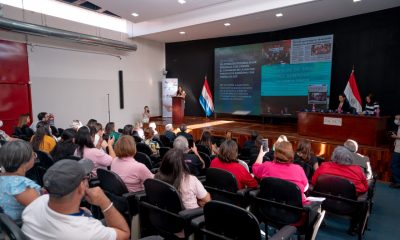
(273,78)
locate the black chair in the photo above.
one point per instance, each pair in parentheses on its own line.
(36,173)
(10,229)
(203,148)
(124,201)
(163,151)
(226,221)
(144,148)
(166,141)
(206,159)
(279,202)
(144,158)
(164,209)
(222,186)
(342,199)
(45,159)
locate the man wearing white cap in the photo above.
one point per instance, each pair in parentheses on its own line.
(58,215)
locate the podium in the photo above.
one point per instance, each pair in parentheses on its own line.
(178,107)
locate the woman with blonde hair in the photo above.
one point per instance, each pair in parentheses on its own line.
(281,167)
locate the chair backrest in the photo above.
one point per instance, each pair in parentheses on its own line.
(164,204)
(163,151)
(10,229)
(221,179)
(206,159)
(111,182)
(165,140)
(203,148)
(340,189)
(284,201)
(143,158)
(230,221)
(45,159)
(144,148)
(36,173)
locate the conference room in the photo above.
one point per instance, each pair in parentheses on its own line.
(242,85)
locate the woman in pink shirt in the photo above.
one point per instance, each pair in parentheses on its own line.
(133,173)
(174,171)
(282,167)
(86,149)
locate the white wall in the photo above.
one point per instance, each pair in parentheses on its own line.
(71,81)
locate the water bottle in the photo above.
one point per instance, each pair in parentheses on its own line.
(377,111)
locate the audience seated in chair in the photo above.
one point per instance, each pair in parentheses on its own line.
(43,140)
(342,165)
(66,146)
(150,141)
(86,149)
(305,158)
(110,131)
(67,183)
(194,161)
(227,160)
(174,171)
(22,130)
(16,191)
(358,159)
(133,173)
(169,133)
(282,167)
(183,129)
(207,140)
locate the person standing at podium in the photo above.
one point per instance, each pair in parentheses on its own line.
(182,94)
(344,105)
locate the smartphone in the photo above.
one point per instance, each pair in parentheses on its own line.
(265,144)
(190,143)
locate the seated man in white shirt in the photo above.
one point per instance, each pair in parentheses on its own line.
(58,215)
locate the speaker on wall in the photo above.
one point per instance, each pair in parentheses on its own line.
(121,89)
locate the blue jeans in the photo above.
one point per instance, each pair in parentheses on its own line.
(395,166)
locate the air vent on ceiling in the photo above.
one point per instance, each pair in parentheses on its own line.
(90,6)
(70,1)
(111,14)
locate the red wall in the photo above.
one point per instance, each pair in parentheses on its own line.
(15,93)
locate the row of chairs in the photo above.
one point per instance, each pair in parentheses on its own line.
(279,201)
(160,205)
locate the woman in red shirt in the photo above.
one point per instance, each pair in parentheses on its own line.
(227,160)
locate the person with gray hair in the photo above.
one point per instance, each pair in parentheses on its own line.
(192,158)
(169,128)
(16,190)
(359,159)
(342,165)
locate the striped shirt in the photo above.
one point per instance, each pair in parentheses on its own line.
(371,109)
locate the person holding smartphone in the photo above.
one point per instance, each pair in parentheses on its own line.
(395,163)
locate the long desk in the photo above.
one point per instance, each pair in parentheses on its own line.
(366,130)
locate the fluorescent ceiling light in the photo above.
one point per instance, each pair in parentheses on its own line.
(69,12)
(182,32)
(135,14)
(279,15)
(356,0)
(227,24)
(181,1)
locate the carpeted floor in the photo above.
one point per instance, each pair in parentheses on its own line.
(384,222)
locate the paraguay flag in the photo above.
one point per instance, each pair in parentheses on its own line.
(206,99)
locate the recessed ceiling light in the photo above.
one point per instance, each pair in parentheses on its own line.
(227,24)
(181,1)
(182,33)
(279,15)
(356,0)
(135,14)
